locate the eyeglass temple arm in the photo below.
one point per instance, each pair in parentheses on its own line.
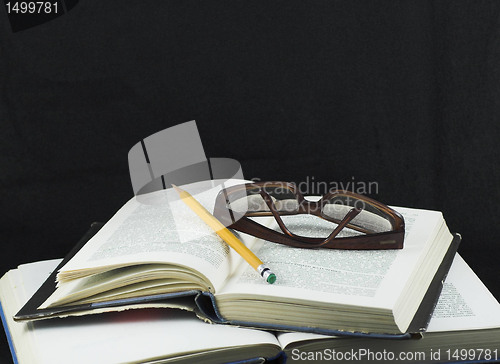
(347,218)
(270,204)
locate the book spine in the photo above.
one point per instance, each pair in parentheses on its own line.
(7,333)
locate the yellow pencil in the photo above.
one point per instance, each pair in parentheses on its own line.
(226,235)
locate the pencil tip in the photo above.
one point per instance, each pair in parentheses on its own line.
(176,188)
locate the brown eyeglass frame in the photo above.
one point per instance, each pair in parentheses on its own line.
(374,241)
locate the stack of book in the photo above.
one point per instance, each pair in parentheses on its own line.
(154,284)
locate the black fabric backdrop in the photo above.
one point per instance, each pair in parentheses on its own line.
(404,94)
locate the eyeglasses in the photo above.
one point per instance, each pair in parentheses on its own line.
(354,221)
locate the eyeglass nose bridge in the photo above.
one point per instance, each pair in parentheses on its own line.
(305,207)
(310,207)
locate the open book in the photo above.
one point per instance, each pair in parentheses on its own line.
(162,250)
(465,327)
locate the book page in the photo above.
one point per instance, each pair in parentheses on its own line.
(159,229)
(341,276)
(464,304)
(119,337)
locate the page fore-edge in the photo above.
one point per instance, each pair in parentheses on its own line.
(206,307)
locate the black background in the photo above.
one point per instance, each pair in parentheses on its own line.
(406,94)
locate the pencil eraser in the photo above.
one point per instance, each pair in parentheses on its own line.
(271,279)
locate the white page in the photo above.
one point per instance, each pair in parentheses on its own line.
(465,302)
(165,230)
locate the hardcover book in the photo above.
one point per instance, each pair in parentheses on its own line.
(162,254)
